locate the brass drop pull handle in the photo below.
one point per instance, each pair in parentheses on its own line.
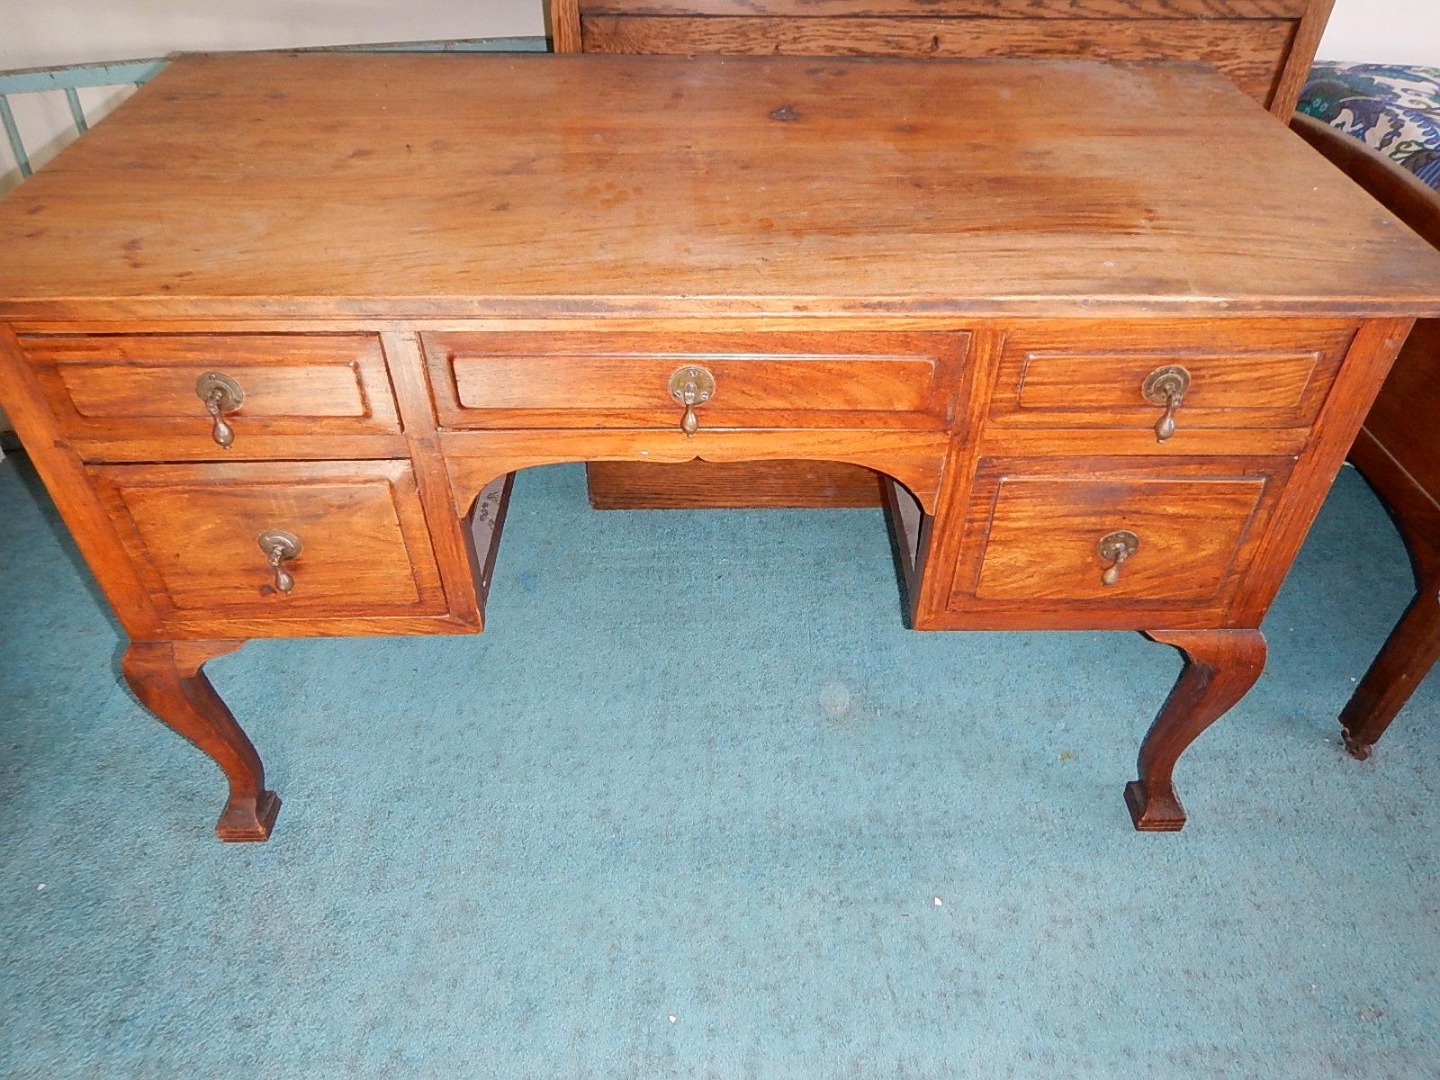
(691,386)
(280,547)
(1166,386)
(1114,549)
(221,394)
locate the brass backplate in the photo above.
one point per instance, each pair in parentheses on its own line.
(225,391)
(280,545)
(695,379)
(1166,385)
(1118,546)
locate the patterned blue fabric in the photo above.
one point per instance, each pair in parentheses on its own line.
(1395,109)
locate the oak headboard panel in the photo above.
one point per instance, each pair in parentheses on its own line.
(1266,46)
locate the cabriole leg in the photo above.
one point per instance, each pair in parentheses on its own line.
(1220,667)
(167,679)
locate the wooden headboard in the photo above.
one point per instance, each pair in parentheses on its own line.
(1266,46)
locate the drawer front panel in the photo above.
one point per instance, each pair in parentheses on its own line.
(900,380)
(1043,537)
(112,388)
(1240,374)
(195,531)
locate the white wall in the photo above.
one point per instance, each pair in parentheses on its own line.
(49,33)
(1384,31)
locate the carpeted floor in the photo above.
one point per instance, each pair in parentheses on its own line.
(697,805)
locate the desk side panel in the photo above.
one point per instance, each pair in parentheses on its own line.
(80,507)
(1361,376)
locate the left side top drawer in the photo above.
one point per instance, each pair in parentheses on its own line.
(169,397)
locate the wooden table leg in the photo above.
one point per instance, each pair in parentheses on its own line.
(1411,650)
(1220,667)
(166,677)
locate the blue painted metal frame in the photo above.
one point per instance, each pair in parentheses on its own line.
(68,79)
(79,76)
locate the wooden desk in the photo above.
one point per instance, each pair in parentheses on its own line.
(279,331)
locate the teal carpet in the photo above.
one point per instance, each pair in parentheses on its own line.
(697,805)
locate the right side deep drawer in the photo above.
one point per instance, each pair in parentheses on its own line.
(195,396)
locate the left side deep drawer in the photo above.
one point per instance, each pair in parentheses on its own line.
(193,396)
(275,541)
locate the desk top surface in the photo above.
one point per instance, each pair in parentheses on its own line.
(458,185)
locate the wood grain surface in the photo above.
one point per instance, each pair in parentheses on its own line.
(533,186)
(1251,53)
(694,485)
(1265,46)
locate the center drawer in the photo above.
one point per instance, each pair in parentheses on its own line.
(736,380)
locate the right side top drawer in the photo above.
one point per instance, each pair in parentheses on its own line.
(177,397)
(1230,374)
